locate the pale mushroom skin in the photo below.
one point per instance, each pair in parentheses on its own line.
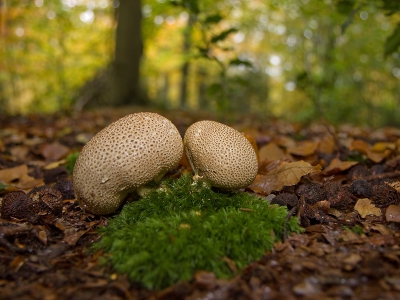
(220,155)
(127,154)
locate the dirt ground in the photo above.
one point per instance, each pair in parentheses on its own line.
(350,212)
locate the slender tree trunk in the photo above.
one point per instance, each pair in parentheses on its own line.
(125,87)
(163,89)
(185,68)
(202,88)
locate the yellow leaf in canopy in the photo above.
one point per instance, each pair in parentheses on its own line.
(365,208)
(271,152)
(336,166)
(286,174)
(305,148)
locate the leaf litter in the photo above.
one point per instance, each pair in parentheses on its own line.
(343,253)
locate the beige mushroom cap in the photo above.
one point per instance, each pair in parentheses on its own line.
(125,155)
(220,155)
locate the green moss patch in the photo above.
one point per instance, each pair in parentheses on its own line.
(185,226)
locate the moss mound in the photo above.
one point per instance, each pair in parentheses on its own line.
(185,226)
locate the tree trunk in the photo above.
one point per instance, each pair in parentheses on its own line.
(185,68)
(125,87)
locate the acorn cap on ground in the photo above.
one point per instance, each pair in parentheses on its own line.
(129,153)
(220,155)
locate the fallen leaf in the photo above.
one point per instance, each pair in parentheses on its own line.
(336,166)
(2,147)
(55,164)
(284,141)
(17,263)
(305,148)
(286,174)
(382,147)
(327,144)
(11,174)
(381,228)
(348,236)
(381,240)
(307,289)
(231,264)
(27,182)
(253,143)
(365,148)
(53,151)
(205,279)
(271,152)
(19,152)
(352,260)
(365,207)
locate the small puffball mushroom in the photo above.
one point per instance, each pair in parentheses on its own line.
(124,156)
(220,155)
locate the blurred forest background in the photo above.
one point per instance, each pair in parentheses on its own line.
(292,59)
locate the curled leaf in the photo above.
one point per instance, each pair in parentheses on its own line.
(286,174)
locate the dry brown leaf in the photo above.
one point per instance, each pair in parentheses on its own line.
(53,151)
(253,143)
(382,147)
(231,264)
(348,236)
(2,147)
(19,152)
(327,144)
(365,208)
(271,152)
(336,166)
(286,174)
(17,263)
(55,164)
(365,148)
(27,182)
(353,259)
(11,174)
(284,141)
(381,228)
(304,148)
(72,235)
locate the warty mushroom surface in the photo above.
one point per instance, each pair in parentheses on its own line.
(127,154)
(220,155)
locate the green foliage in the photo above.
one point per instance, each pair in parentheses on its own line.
(3,187)
(356,229)
(345,6)
(185,226)
(48,49)
(223,35)
(71,160)
(393,42)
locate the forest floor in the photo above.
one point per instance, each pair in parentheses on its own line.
(350,211)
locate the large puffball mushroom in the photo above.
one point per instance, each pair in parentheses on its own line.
(220,155)
(124,156)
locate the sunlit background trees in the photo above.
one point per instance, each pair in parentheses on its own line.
(293,59)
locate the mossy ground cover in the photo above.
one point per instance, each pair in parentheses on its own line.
(185,226)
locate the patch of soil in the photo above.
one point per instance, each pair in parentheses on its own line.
(350,211)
